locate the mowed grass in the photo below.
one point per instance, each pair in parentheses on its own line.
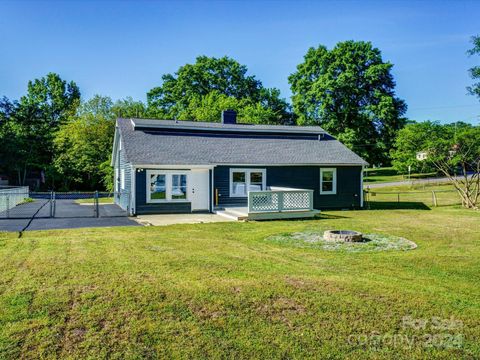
(389,174)
(223,291)
(414,196)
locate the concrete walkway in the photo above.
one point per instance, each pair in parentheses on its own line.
(172,219)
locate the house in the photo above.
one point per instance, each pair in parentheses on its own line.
(237,170)
(422,155)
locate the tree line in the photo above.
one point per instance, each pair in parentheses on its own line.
(66,140)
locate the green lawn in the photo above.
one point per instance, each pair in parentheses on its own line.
(389,174)
(416,196)
(222,290)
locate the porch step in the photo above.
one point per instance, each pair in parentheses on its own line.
(232,214)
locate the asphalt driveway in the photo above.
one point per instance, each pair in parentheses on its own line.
(68,215)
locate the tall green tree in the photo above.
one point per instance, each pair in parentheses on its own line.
(475,71)
(54,98)
(350,91)
(130,108)
(212,78)
(6,135)
(83,146)
(33,122)
(411,140)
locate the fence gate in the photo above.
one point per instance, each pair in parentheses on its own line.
(74,204)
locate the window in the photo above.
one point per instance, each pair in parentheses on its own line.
(256,181)
(239,183)
(244,180)
(166,186)
(122,179)
(158,188)
(179,187)
(328,181)
(117,179)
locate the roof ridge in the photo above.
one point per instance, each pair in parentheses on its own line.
(160,123)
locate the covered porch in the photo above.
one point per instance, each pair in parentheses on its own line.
(273,203)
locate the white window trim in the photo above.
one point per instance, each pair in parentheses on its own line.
(168,186)
(247,172)
(334,187)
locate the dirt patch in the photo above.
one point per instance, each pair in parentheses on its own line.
(281,309)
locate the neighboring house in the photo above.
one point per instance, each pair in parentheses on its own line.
(3,180)
(422,155)
(238,170)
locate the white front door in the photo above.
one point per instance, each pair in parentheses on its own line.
(199,189)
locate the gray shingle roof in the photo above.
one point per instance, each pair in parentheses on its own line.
(157,148)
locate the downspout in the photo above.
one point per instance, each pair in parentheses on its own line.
(133,200)
(361,186)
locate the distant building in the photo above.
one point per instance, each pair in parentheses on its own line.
(3,180)
(422,155)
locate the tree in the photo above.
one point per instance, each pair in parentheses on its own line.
(411,140)
(450,149)
(475,71)
(349,91)
(32,122)
(461,151)
(130,108)
(83,146)
(6,109)
(209,79)
(54,98)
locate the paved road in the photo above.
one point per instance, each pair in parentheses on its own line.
(68,215)
(408,182)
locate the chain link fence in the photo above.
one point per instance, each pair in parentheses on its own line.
(20,203)
(410,199)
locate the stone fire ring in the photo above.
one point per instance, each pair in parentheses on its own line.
(343,235)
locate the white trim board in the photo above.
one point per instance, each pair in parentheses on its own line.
(211,166)
(334,181)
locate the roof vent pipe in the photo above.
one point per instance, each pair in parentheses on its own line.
(229,117)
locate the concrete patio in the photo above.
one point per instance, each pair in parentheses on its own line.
(171,219)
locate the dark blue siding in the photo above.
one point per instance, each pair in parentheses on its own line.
(304,177)
(158,208)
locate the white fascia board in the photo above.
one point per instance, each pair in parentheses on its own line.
(211,166)
(306,164)
(186,166)
(115,144)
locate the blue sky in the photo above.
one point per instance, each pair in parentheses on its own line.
(121,48)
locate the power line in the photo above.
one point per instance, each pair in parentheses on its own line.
(444,107)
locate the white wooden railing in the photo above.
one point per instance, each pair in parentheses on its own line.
(280,200)
(12,196)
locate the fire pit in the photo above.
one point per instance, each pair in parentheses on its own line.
(343,235)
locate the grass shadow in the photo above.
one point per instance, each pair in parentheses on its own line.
(323,216)
(394,205)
